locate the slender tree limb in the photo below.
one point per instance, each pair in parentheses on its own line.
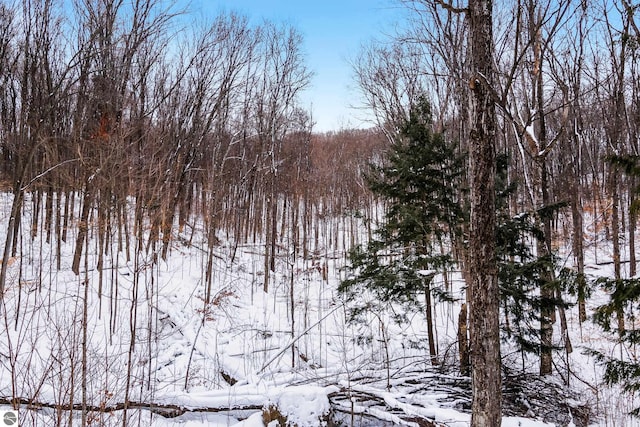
(450,7)
(294,340)
(165,410)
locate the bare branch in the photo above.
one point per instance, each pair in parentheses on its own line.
(451,8)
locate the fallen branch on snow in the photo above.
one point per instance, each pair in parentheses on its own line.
(165,410)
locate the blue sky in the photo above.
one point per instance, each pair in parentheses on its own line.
(333,31)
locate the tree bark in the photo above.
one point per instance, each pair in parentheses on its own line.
(484,291)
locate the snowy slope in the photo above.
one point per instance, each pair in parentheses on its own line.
(152,341)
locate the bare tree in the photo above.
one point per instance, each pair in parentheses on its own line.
(391,81)
(283,76)
(620,44)
(35,90)
(567,61)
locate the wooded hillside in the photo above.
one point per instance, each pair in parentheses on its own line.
(126,133)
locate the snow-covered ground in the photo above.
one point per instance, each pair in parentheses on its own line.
(141,332)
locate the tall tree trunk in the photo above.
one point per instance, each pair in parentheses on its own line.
(58,227)
(13,227)
(484,291)
(615,236)
(543,199)
(36,201)
(632,232)
(48,218)
(267,245)
(9,246)
(578,240)
(429,314)
(617,145)
(547,309)
(463,341)
(83,227)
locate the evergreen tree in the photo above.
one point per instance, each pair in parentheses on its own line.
(624,297)
(419,186)
(425,210)
(624,302)
(521,271)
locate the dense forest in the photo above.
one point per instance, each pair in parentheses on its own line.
(128,134)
